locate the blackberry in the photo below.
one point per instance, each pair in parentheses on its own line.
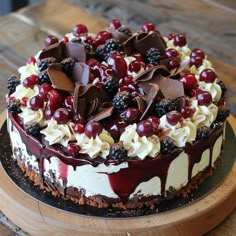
(164,106)
(67,65)
(122,100)
(153,56)
(117,152)
(76,40)
(44,63)
(223,88)
(111,45)
(13,106)
(203,133)
(216,125)
(223,113)
(44,78)
(125,30)
(33,129)
(111,85)
(89,51)
(167,145)
(100,53)
(12,83)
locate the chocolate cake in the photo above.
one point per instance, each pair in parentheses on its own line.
(117,119)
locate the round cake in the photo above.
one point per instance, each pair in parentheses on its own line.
(117,119)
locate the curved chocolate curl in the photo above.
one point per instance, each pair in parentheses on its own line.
(61,51)
(141,42)
(80,73)
(116,34)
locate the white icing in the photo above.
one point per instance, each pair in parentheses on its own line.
(28,116)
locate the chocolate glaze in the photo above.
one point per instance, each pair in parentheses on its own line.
(137,171)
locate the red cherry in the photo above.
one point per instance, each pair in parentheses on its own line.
(44,89)
(30,81)
(196,61)
(92,62)
(147,27)
(78,119)
(131,115)
(138,56)
(65,39)
(36,102)
(133,87)
(103,36)
(128,79)
(170,53)
(173,117)
(79,29)
(204,98)
(61,115)
(54,99)
(68,102)
(171,36)
(24,101)
(50,40)
(135,66)
(118,65)
(197,52)
(79,128)
(180,40)
(124,88)
(207,76)
(154,120)
(72,149)
(114,24)
(93,128)
(31,60)
(145,128)
(189,81)
(173,63)
(187,112)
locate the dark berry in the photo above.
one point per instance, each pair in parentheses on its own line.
(164,106)
(153,56)
(44,63)
(125,30)
(223,113)
(122,101)
(223,88)
(216,125)
(203,133)
(100,53)
(13,106)
(117,152)
(44,78)
(33,129)
(12,82)
(167,145)
(67,65)
(111,85)
(111,45)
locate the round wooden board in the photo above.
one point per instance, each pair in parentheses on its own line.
(37,218)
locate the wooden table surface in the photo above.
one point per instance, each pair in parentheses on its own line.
(210,24)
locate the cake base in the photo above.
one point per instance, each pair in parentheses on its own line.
(38,218)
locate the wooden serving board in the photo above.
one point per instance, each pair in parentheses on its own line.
(37,218)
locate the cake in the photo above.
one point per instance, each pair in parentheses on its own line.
(117,119)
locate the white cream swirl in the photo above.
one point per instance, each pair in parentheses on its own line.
(181,133)
(58,133)
(22,92)
(203,115)
(29,116)
(27,70)
(139,146)
(98,146)
(213,88)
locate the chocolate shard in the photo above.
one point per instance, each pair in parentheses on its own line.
(59,79)
(116,34)
(141,42)
(141,103)
(76,51)
(154,95)
(103,113)
(80,73)
(55,50)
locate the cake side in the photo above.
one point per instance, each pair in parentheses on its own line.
(117,119)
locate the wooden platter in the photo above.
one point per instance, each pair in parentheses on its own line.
(38,218)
